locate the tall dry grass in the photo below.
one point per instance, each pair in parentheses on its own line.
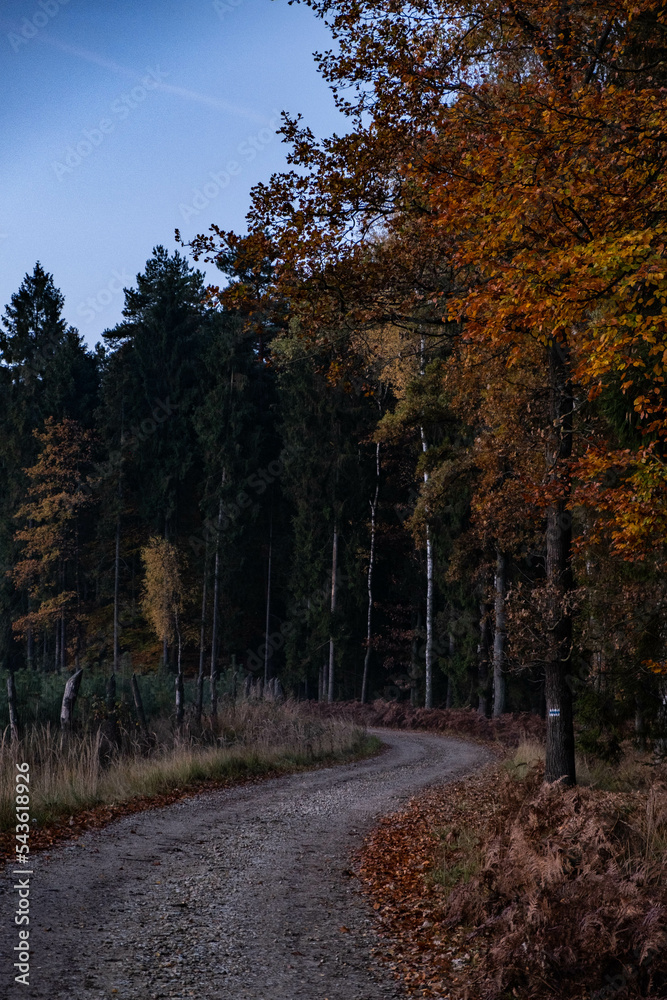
(72,773)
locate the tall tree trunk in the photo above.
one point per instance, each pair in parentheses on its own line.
(640,726)
(560,729)
(13,711)
(180,693)
(334,594)
(483,658)
(414,660)
(69,700)
(473,682)
(30,644)
(500,584)
(139,705)
(213,680)
(199,705)
(371,563)
(63,644)
(111,693)
(114,735)
(111,727)
(116,589)
(235,677)
(428,699)
(116,567)
(450,683)
(267,623)
(30,637)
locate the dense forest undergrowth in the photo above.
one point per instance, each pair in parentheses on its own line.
(503,886)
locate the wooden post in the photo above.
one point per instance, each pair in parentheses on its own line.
(69,700)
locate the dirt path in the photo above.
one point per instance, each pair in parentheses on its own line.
(244,893)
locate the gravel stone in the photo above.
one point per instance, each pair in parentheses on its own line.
(241,894)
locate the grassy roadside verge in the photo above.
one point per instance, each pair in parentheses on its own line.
(75,785)
(500,887)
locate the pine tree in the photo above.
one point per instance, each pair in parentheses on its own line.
(46,372)
(50,565)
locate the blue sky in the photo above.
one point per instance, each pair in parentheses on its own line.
(126,120)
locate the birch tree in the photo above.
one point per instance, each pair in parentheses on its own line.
(162,602)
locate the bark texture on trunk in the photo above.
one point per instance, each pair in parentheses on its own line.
(483,659)
(180,700)
(428,697)
(500,585)
(69,700)
(560,730)
(334,594)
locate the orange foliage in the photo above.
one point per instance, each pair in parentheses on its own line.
(509,185)
(57,495)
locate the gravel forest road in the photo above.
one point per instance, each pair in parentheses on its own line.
(235,894)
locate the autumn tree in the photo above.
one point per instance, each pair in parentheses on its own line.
(49,536)
(45,371)
(503,168)
(162,602)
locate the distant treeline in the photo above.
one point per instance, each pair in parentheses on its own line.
(209,490)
